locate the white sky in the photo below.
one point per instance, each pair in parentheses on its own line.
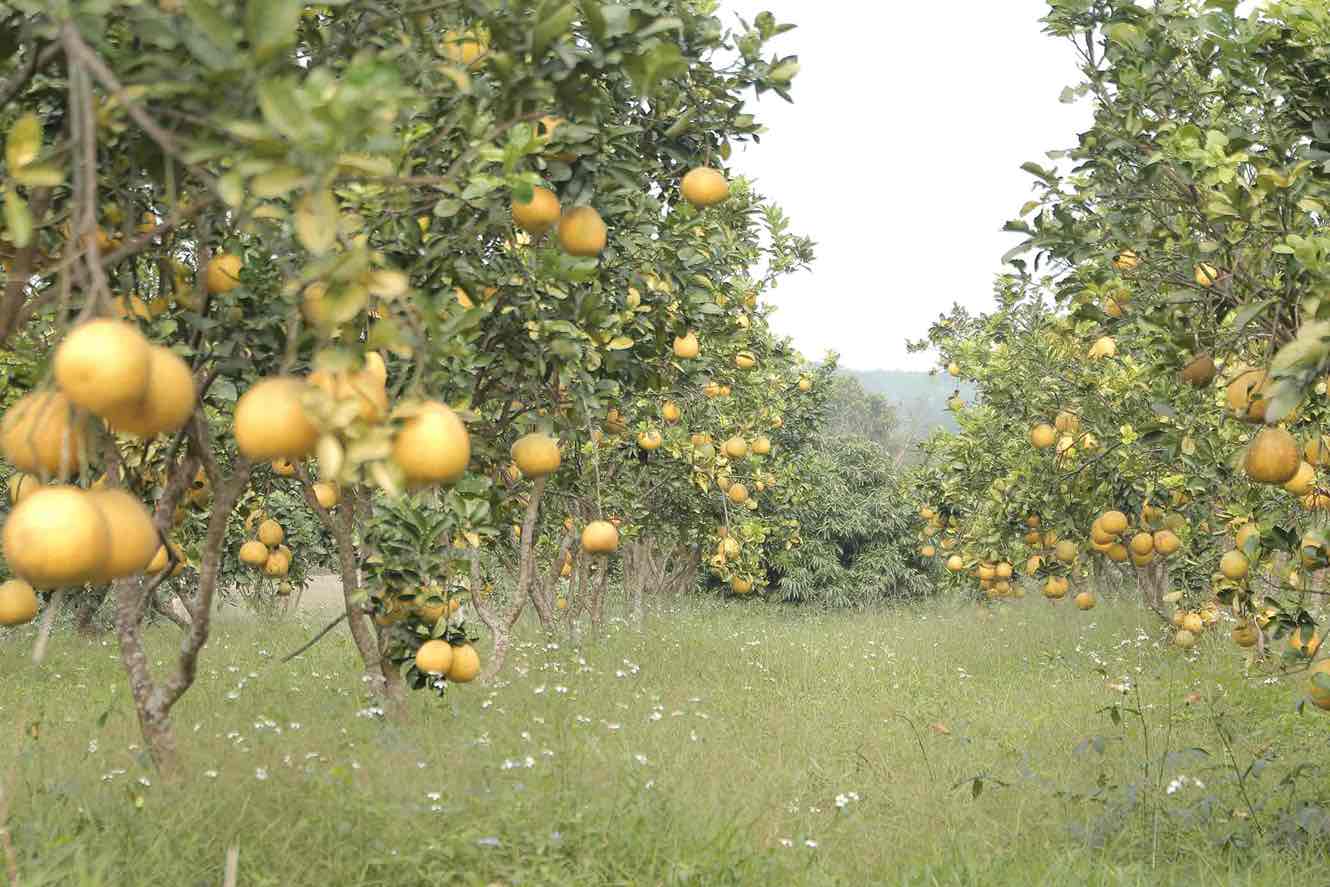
(901,157)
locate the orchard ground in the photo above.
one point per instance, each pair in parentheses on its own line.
(727,744)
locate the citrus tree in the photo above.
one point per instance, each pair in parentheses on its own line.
(351,251)
(1152,380)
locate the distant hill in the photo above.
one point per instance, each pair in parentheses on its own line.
(920,398)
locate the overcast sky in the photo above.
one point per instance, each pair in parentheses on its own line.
(901,157)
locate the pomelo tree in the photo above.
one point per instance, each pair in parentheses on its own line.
(1166,308)
(358,251)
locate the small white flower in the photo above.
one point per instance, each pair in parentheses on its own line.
(211,774)
(786,842)
(434,796)
(260,774)
(810,844)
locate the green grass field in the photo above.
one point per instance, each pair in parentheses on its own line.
(726,744)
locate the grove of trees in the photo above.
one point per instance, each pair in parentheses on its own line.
(454,299)
(1152,384)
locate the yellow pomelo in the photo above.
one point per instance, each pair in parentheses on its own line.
(270,421)
(434,657)
(465,665)
(133,535)
(328,495)
(38,431)
(271,533)
(600,537)
(1234,565)
(254,553)
(103,366)
(223,273)
(57,537)
(536,455)
(1272,457)
(1114,523)
(687,347)
(704,186)
(582,232)
(539,214)
(1043,436)
(433,446)
(18,603)
(167,402)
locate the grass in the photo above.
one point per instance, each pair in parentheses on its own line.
(726,744)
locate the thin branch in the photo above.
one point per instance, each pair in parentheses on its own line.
(314,640)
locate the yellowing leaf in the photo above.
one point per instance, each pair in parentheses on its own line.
(388,284)
(316,221)
(620,343)
(276,182)
(40,175)
(24,142)
(18,219)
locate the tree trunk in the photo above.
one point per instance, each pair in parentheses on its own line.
(637,566)
(526,576)
(342,528)
(153,701)
(85,611)
(598,596)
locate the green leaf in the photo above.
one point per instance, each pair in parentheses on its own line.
(554,20)
(18,219)
(648,69)
(271,26)
(277,101)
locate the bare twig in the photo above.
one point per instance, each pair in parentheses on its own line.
(314,640)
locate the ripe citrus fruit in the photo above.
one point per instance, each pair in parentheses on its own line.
(434,657)
(56,537)
(1043,436)
(1318,695)
(539,214)
(736,447)
(650,439)
(762,446)
(37,433)
(1305,640)
(1114,523)
(270,421)
(271,533)
(133,536)
(1085,600)
(433,446)
(687,347)
(536,455)
(1234,565)
(465,665)
(18,603)
(103,366)
(600,537)
(1272,457)
(254,553)
(167,402)
(223,273)
(704,186)
(327,495)
(582,232)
